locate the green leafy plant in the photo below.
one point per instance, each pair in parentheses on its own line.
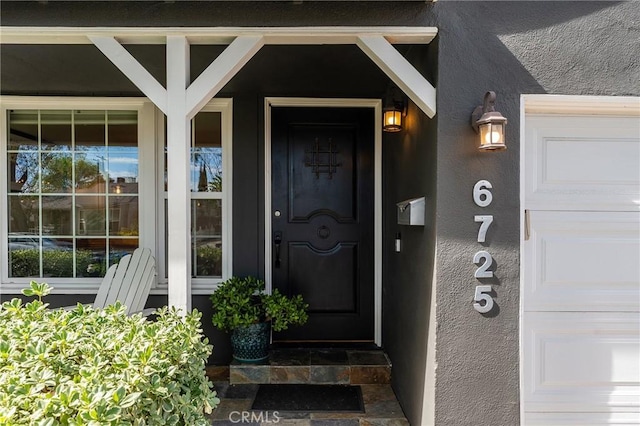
(239,302)
(101,367)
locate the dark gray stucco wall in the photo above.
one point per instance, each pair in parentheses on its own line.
(409,171)
(577,48)
(513,48)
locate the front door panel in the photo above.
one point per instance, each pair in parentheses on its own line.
(322,219)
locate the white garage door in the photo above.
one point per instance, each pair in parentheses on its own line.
(580,296)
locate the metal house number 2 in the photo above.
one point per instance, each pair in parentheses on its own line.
(482,197)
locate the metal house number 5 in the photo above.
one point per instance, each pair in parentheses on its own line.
(482,294)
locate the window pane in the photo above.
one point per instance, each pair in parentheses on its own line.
(91,257)
(57,172)
(206,237)
(22,170)
(208,257)
(120,247)
(23,215)
(89,129)
(89,167)
(55,130)
(123,128)
(23,130)
(206,219)
(123,216)
(91,215)
(123,170)
(91,152)
(57,258)
(165,168)
(24,258)
(56,215)
(206,153)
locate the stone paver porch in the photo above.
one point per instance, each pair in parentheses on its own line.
(237,386)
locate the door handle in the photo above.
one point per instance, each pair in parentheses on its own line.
(277,240)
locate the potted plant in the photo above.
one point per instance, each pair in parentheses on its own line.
(241,306)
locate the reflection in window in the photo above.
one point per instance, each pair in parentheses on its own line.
(206,237)
(72,191)
(206,153)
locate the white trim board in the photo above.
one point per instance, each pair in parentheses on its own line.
(216,35)
(376,104)
(581,105)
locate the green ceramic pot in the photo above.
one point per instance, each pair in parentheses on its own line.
(251,343)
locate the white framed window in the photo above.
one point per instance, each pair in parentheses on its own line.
(211,197)
(81,184)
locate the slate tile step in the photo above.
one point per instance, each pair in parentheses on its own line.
(325,366)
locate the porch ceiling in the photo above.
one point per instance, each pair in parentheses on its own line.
(215,35)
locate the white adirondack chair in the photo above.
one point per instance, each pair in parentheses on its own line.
(129,282)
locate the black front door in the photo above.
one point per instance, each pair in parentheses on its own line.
(322,219)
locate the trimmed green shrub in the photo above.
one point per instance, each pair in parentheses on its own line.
(101,367)
(55,263)
(25,263)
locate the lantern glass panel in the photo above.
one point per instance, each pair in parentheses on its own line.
(392,121)
(492,136)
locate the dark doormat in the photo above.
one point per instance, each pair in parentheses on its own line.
(309,398)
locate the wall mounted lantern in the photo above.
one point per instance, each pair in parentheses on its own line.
(395,108)
(490,124)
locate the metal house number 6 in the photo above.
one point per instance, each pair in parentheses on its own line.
(482,197)
(481,194)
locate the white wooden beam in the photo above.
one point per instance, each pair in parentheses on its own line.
(132,69)
(220,71)
(215,35)
(400,71)
(178,175)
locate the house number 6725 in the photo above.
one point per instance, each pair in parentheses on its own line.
(482,196)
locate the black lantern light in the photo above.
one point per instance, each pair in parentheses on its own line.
(394,110)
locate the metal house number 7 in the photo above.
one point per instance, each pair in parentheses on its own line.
(482,196)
